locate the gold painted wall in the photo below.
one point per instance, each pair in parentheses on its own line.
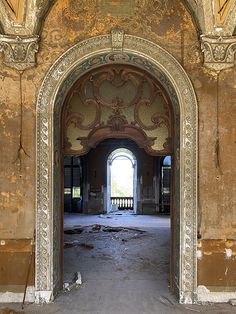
(169,25)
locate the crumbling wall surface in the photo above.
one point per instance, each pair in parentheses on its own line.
(169,25)
(17,179)
(217,181)
(217,134)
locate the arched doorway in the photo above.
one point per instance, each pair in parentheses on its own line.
(128,201)
(79,59)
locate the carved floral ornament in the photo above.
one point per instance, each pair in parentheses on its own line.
(219,52)
(19,52)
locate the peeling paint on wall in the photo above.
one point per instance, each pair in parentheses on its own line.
(173,29)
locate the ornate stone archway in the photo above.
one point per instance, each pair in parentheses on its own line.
(92,53)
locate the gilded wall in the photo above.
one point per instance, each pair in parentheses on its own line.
(170,25)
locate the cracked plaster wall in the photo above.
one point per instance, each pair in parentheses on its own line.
(172,28)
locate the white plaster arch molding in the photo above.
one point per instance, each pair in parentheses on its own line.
(84,56)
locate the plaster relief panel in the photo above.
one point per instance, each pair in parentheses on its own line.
(117,101)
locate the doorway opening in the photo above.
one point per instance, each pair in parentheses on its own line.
(89,224)
(121,181)
(160,65)
(117,123)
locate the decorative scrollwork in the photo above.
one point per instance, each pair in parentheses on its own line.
(118,94)
(117,122)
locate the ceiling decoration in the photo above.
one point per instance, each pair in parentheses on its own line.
(117,101)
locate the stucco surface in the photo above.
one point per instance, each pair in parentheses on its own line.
(172,28)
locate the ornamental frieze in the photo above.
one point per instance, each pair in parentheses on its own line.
(219,52)
(19,52)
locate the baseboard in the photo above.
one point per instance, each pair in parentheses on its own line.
(17,297)
(43,297)
(205,295)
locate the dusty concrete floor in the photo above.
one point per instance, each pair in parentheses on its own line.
(122,272)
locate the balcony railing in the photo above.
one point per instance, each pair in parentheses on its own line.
(123,202)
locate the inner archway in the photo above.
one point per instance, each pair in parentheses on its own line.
(115,102)
(60,78)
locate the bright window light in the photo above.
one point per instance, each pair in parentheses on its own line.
(122,173)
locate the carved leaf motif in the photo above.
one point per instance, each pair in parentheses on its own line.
(219,52)
(19,52)
(160,120)
(117,122)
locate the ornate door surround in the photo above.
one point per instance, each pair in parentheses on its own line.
(91,53)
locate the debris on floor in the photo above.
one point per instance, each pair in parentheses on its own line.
(191,309)
(74,230)
(87,245)
(10,311)
(165,300)
(232,302)
(112,229)
(104,216)
(77,281)
(76,243)
(98,227)
(123,234)
(68,245)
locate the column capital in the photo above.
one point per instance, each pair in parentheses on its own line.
(219,52)
(19,51)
